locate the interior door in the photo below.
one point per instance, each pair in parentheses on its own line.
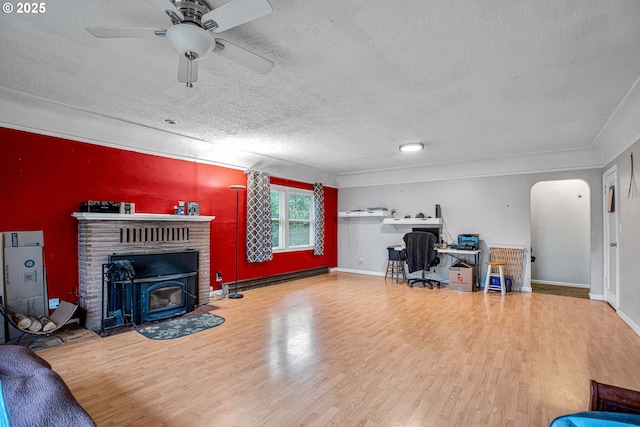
(611,214)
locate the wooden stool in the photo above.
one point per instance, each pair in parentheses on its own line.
(401,271)
(487,283)
(395,264)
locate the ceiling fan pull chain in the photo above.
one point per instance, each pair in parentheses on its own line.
(189,69)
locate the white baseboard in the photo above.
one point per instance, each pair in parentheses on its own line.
(629,322)
(549,282)
(349,270)
(526,289)
(597,297)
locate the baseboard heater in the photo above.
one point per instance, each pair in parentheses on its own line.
(259,282)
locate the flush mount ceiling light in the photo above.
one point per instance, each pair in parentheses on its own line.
(412,146)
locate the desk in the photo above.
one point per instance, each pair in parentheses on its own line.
(458,254)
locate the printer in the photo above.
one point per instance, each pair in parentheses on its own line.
(467,242)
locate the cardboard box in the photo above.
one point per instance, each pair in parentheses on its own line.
(25,288)
(20,239)
(28,306)
(462,277)
(23,272)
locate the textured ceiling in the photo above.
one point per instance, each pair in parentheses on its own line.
(473,80)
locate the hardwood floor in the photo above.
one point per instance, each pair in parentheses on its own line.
(351,350)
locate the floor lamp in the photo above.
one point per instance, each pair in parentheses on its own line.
(235,294)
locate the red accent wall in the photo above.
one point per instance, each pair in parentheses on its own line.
(44,179)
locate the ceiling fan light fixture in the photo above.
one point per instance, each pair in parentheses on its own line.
(190,40)
(412,146)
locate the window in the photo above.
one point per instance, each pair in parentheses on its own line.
(292,218)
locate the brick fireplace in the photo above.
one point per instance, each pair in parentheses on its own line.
(101,235)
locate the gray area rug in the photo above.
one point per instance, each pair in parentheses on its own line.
(180,327)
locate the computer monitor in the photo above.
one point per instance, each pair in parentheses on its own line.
(435,230)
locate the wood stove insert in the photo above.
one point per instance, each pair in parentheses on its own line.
(164,285)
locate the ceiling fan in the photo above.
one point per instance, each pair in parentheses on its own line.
(192,33)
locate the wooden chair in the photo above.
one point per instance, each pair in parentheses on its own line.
(60,317)
(605,397)
(610,406)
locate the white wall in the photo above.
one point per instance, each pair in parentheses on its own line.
(560,232)
(497,208)
(629,239)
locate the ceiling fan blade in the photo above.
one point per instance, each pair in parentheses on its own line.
(124,32)
(168,7)
(244,57)
(235,13)
(187,71)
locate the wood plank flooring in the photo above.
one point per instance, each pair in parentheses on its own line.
(351,350)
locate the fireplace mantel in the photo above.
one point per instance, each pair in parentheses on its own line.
(96,216)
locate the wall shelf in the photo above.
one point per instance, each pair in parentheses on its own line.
(412,221)
(380,213)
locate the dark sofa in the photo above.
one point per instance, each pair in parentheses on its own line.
(33,394)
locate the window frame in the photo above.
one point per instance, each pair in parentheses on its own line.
(283,229)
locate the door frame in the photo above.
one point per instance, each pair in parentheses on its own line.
(606,237)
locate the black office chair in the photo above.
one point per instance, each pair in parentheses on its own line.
(421,255)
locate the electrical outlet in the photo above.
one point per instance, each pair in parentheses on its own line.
(219,276)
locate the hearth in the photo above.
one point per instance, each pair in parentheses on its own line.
(164,285)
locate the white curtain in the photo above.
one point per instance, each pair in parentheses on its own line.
(318,206)
(258,217)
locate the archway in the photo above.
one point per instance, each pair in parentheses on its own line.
(561,233)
